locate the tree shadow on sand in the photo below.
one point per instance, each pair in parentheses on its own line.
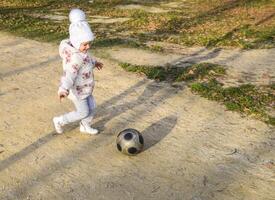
(152,93)
(151,97)
(107,115)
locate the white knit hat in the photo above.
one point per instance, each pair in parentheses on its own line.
(79,28)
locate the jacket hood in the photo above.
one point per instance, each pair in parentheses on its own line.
(66,48)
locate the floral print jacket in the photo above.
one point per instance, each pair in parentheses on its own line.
(78,77)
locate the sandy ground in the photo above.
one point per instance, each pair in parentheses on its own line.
(194,148)
(243,66)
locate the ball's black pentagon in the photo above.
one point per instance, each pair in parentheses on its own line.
(132,150)
(118,147)
(128,136)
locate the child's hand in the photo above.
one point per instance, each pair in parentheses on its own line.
(98,65)
(62,93)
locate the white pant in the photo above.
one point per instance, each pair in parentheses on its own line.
(85,110)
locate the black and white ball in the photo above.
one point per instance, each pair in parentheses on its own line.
(130,142)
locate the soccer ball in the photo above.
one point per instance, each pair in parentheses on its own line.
(130,142)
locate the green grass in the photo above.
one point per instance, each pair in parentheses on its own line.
(202,79)
(26,26)
(246,98)
(194,72)
(242,23)
(201,71)
(156,73)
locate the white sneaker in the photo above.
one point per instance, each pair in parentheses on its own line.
(88,130)
(57,125)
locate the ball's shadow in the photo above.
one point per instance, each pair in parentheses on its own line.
(158,130)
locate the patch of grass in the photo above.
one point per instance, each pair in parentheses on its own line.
(201,78)
(271,120)
(156,48)
(211,89)
(170,73)
(50,31)
(244,23)
(247,37)
(265,38)
(156,73)
(258,3)
(23,25)
(25,3)
(201,71)
(106,42)
(247,98)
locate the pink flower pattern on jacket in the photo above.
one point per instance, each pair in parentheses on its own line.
(79,90)
(68,55)
(86,60)
(86,75)
(78,75)
(75,68)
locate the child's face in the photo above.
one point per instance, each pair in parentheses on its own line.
(84,47)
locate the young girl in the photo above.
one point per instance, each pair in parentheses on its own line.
(77,81)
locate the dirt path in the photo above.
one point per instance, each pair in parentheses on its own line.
(243,66)
(194,148)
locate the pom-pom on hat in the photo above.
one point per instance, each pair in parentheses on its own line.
(77,15)
(79,30)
